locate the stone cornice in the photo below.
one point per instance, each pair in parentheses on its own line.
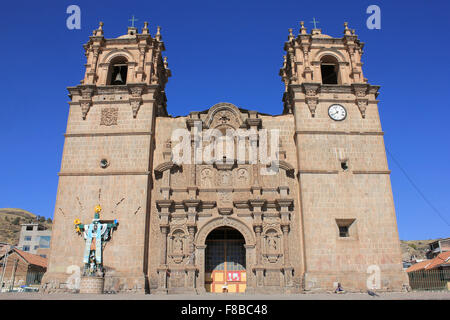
(333,88)
(318,171)
(97,90)
(124,102)
(103,134)
(367,133)
(106,173)
(371,171)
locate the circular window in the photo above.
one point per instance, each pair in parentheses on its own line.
(104,163)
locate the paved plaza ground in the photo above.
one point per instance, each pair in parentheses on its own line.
(418,295)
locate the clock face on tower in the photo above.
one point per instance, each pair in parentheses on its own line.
(337,112)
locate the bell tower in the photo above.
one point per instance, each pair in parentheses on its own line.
(107,157)
(346,203)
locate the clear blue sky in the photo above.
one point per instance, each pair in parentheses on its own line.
(230,51)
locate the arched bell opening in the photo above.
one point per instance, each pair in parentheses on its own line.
(225,261)
(329,68)
(118,70)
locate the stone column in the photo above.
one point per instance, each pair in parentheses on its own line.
(250,263)
(285,228)
(253,160)
(162,269)
(164,214)
(191,230)
(200,261)
(163,257)
(140,71)
(257,205)
(259,270)
(192,207)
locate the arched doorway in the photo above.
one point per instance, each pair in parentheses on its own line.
(225,262)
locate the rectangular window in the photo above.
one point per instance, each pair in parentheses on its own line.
(29,228)
(26,248)
(27,238)
(44,241)
(347,228)
(35,247)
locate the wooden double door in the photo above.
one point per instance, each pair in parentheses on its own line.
(225,261)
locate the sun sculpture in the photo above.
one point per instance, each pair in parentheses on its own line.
(96,234)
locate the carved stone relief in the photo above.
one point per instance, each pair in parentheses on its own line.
(109,116)
(224,178)
(224,117)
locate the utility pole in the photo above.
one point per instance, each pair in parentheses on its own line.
(5,263)
(14,274)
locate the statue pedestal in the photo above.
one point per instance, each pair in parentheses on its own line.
(92,285)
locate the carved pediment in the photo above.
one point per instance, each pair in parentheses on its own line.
(223,115)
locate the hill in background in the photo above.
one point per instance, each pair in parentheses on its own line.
(12,218)
(417,248)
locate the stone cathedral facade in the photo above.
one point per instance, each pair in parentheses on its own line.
(325,216)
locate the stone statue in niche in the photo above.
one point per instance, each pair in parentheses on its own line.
(178,245)
(272,246)
(206,178)
(272,243)
(242,176)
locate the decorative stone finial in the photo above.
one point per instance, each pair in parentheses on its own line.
(346,29)
(158,33)
(291,36)
(99,31)
(302,27)
(145,28)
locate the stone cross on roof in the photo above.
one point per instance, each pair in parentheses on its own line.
(315,22)
(132,21)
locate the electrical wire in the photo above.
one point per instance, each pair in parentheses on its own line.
(417,188)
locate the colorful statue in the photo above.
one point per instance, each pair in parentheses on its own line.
(96,234)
